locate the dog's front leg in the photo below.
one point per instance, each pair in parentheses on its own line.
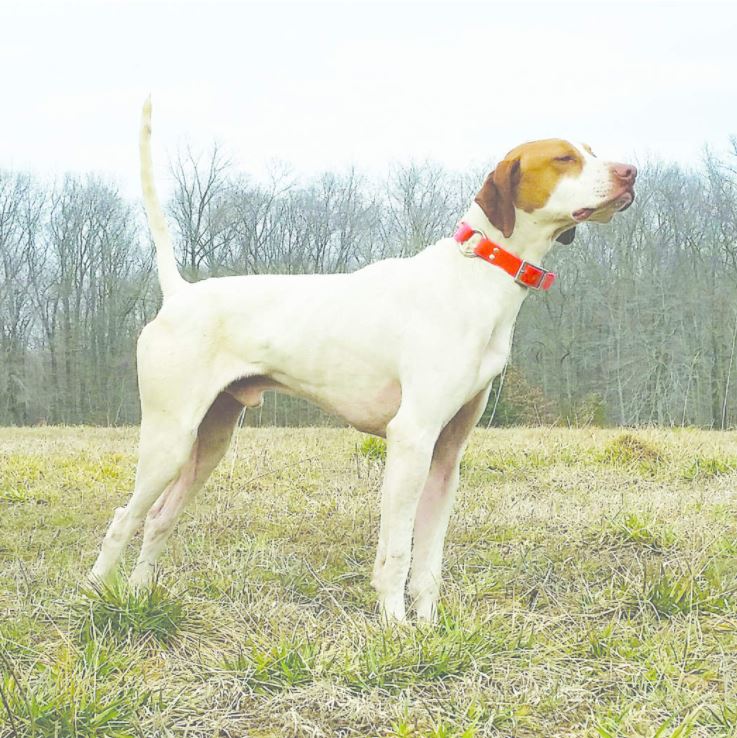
(409,452)
(433,510)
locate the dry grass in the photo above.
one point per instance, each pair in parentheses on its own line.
(590,590)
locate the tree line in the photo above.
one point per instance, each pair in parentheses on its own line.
(641,327)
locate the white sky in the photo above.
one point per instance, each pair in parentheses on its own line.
(330,85)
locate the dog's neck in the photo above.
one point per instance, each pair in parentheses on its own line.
(530,239)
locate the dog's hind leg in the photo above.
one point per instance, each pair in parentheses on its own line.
(213,438)
(165,445)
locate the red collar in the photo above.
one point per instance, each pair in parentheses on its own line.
(524,273)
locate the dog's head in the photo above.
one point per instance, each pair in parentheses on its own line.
(561,183)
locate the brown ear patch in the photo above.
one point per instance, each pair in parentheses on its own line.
(497,196)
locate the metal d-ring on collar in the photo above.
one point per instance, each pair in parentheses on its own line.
(469,254)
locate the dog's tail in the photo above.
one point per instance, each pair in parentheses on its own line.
(170,279)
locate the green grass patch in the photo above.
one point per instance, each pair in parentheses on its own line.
(265,666)
(669,594)
(631,451)
(673,727)
(19,473)
(116,611)
(82,694)
(721,717)
(641,531)
(708,467)
(393,658)
(373,448)
(409,729)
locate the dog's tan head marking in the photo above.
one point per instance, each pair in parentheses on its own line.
(561,182)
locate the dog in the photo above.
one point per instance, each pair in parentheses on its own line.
(405,349)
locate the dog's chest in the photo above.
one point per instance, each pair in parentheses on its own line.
(494,357)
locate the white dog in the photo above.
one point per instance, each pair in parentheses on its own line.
(404,348)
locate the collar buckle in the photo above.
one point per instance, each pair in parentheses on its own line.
(530,276)
(534,277)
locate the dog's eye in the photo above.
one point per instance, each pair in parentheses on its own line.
(566,158)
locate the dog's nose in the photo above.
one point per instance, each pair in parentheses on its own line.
(625,172)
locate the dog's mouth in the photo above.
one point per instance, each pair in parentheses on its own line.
(620,202)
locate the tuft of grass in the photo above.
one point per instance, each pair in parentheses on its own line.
(14,494)
(445,730)
(373,448)
(405,729)
(114,610)
(82,694)
(723,717)
(708,467)
(673,594)
(610,642)
(628,450)
(267,667)
(18,474)
(668,729)
(393,658)
(633,528)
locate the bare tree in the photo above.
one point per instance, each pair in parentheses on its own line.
(641,328)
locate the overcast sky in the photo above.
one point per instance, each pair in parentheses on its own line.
(330,85)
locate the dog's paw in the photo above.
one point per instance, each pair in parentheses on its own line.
(142,577)
(392,609)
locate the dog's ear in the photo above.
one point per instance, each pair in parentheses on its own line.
(566,238)
(496,197)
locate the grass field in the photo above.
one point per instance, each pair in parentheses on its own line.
(590,590)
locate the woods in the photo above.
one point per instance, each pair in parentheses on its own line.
(641,327)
